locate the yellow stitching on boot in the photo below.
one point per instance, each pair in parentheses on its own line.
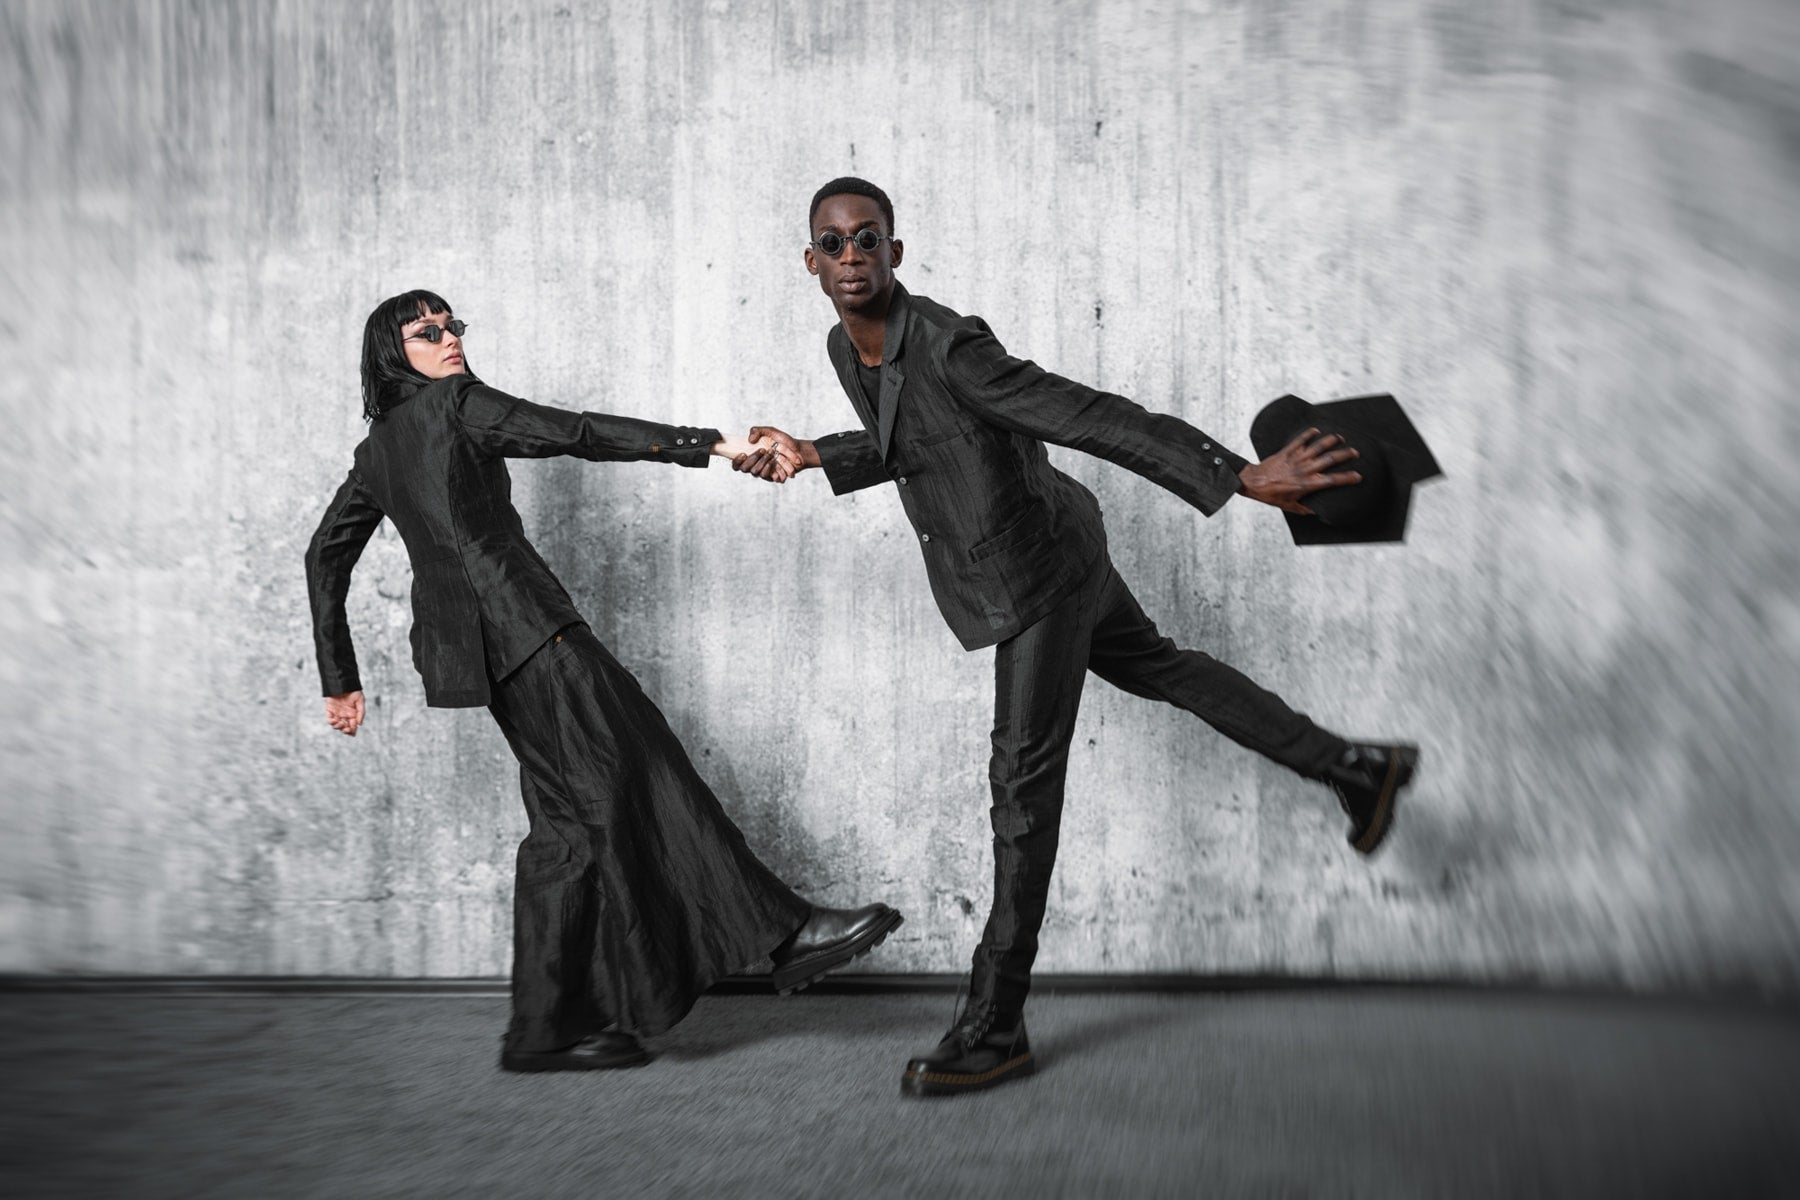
(966,1080)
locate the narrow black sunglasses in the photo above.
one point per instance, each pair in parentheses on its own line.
(832,244)
(435,333)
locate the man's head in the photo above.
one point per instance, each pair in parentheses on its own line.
(857,277)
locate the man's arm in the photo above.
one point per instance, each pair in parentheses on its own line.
(508,427)
(1020,396)
(343,531)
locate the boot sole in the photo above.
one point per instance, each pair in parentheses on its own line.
(537,1063)
(1401,765)
(935,1083)
(806,971)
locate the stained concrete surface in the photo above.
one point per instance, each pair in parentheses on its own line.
(1561,232)
(1377,1094)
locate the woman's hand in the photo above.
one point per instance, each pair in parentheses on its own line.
(345,712)
(733,447)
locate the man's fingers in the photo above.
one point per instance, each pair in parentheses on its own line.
(1339,479)
(763,464)
(1301,439)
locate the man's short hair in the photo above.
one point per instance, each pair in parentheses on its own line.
(850,185)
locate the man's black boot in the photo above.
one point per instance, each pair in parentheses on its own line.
(595,1052)
(973,1055)
(830,938)
(1367,778)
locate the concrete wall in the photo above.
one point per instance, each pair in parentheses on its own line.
(1563,233)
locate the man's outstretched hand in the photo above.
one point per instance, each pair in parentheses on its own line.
(345,712)
(1298,469)
(779,456)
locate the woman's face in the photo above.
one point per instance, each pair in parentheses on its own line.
(433,360)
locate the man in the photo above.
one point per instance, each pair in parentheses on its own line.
(1016,556)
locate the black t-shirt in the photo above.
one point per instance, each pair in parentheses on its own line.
(870,379)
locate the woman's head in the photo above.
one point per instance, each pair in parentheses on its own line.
(399,350)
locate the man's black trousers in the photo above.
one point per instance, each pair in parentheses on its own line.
(1038,676)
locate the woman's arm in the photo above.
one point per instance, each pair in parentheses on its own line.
(508,427)
(343,531)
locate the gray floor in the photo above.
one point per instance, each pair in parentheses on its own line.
(1379,1094)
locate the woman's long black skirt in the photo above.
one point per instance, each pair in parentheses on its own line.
(635,891)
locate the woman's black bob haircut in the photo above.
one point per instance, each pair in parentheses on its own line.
(386,375)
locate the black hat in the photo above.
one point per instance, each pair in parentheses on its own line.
(1392,457)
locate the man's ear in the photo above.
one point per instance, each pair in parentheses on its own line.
(898,252)
(812,267)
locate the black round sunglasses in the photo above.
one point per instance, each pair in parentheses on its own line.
(435,333)
(832,244)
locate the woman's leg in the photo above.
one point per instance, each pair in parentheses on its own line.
(555,914)
(655,886)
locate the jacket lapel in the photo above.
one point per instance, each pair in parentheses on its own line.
(892,378)
(843,361)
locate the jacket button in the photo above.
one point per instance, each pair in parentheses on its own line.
(902,481)
(1206,445)
(924,537)
(1218,462)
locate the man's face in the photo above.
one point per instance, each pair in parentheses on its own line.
(856,279)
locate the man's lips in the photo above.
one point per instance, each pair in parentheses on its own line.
(852,283)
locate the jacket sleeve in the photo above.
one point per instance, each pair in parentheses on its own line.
(344,530)
(507,427)
(851,461)
(1020,396)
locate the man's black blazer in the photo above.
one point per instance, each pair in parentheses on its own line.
(960,428)
(435,465)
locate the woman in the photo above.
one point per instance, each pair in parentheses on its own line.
(635,892)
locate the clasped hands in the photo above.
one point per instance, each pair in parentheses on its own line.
(767,453)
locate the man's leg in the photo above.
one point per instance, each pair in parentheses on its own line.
(1038,676)
(1128,652)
